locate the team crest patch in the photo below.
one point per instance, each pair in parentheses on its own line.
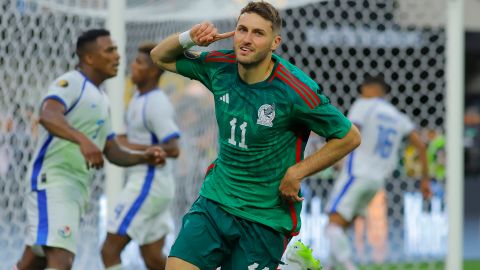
(62,83)
(65,231)
(266,114)
(191,54)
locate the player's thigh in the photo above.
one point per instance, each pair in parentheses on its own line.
(259,247)
(152,254)
(59,258)
(53,219)
(114,244)
(199,241)
(152,249)
(31,261)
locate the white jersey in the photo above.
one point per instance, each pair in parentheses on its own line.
(142,210)
(59,162)
(150,120)
(383,128)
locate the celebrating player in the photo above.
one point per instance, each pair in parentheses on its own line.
(250,202)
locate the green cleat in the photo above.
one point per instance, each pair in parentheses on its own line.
(299,257)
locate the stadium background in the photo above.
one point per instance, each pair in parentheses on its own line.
(336,42)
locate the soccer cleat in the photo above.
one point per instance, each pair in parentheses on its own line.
(300,255)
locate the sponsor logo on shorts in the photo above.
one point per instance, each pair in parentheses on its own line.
(65,231)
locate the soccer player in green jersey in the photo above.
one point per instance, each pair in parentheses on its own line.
(76,134)
(250,201)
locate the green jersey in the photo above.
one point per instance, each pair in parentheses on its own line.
(263,129)
(58,162)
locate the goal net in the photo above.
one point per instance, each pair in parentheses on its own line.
(336,42)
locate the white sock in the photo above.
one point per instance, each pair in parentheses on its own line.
(115,267)
(340,248)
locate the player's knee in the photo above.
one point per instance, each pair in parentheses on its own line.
(337,219)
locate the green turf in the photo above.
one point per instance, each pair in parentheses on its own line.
(467,265)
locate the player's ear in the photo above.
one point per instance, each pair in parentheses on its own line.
(88,58)
(276,42)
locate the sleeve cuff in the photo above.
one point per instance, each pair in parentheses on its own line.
(174,135)
(57,98)
(111,136)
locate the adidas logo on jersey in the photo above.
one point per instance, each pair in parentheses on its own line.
(225,98)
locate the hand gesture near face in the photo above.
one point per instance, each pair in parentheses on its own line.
(206,33)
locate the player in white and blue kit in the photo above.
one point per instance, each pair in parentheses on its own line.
(142,210)
(383,127)
(76,134)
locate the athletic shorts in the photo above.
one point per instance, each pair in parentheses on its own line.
(142,209)
(351,195)
(210,237)
(53,216)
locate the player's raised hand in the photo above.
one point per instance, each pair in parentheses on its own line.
(92,154)
(290,187)
(155,155)
(205,33)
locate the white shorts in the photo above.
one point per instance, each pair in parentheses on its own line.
(351,195)
(142,209)
(53,218)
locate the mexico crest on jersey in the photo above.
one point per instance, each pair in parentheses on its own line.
(266,114)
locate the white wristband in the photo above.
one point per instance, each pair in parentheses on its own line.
(185,40)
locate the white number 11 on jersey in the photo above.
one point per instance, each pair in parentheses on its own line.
(243,129)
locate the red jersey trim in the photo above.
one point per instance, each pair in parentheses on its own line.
(224,60)
(216,56)
(293,212)
(293,216)
(299,92)
(217,53)
(305,89)
(208,169)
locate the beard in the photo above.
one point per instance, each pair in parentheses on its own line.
(253,59)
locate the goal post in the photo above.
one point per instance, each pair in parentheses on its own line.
(455,106)
(114,175)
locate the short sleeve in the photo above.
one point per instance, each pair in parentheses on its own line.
(160,119)
(407,125)
(324,119)
(192,65)
(108,127)
(65,91)
(359,111)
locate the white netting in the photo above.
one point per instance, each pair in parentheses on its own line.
(335,42)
